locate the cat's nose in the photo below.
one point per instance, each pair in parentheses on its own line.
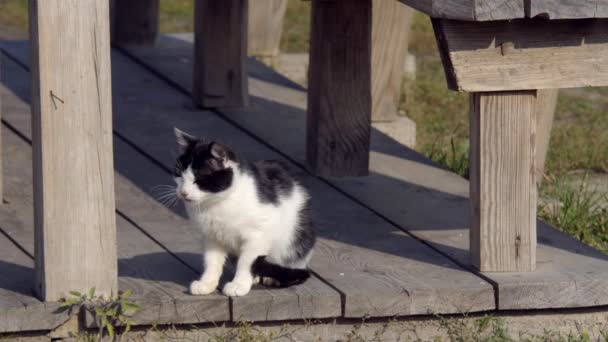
(184,195)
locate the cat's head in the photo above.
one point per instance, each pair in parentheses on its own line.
(203,169)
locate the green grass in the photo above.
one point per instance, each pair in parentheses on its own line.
(13,13)
(577,213)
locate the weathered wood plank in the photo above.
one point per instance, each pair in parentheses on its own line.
(339,88)
(159,281)
(391,23)
(410,190)
(135,99)
(220,75)
(470,10)
(567,9)
(19,309)
(502,184)
(425,292)
(134,21)
(546,101)
(523,54)
(74,212)
(265,27)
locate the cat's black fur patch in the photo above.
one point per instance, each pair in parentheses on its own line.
(209,172)
(285,276)
(272,179)
(305,237)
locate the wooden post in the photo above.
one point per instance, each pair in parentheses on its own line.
(220,52)
(265,27)
(545,111)
(339,88)
(134,21)
(390,36)
(75,233)
(503,191)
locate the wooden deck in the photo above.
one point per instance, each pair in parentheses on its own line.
(392,244)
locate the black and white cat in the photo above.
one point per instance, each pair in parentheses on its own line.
(254,211)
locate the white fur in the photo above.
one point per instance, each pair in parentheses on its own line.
(234,221)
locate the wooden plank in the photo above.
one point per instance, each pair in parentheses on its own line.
(391,23)
(134,21)
(265,27)
(134,190)
(19,309)
(339,88)
(425,292)
(74,212)
(431,282)
(523,54)
(220,75)
(502,185)
(546,101)
(409,190)
(567,9)
(159,280)
(470,10)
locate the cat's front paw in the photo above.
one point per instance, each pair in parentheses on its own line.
(200,288)
(236,289)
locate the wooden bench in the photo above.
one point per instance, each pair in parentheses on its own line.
(502,63)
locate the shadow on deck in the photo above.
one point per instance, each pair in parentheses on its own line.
(392,244)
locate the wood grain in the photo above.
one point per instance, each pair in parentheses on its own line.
(409,190)
(354,240)
(546,101)
(265,27)
(523,54)
(567,9)
(503,189)
(391,23)
(158,280)
(339,88)
(220,75)
(72,110)
(134,21)
(470,10)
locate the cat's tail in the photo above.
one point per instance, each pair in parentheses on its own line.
(285,276)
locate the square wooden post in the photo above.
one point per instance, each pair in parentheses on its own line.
(502,181)
(74,218)
(134,21)
(339,88)
(220,53)
(265,27)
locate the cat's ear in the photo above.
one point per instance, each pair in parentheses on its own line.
(183,139)
(221,152)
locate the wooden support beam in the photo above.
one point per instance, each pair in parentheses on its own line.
(220,52)
(134,21)
(502,186)
(265,27)
(523,54)
(75,229)
(391,23)
(546,101)
(339,88)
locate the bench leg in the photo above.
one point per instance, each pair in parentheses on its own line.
(339,88)
(134,21)
(265,27)
(502,181)
(545,111)
(220,53)
(75,226)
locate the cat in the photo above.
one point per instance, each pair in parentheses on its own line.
(255,211)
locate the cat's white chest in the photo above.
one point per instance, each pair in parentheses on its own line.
(224,224)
